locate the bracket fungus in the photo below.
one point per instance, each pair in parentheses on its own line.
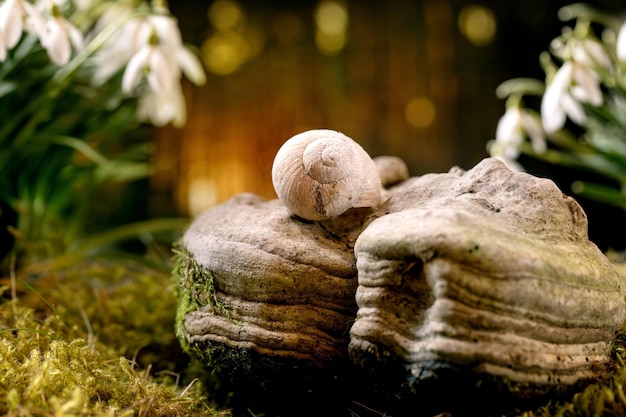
(485,272)
(488,272)
(269,297)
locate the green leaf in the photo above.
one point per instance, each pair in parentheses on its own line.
(600,192)
(7,87)
(520,86)
(127,231)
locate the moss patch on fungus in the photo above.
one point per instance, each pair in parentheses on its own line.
(195,288)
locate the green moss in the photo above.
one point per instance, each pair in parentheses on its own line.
(195,288)
(95,339)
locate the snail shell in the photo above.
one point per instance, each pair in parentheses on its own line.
(319,174)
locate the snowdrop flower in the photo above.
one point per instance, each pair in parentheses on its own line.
(166,29)
(121,46)
(59,38)
(132,36)
(15,17)
(621,43)
(513,127)
(163,107)
(151,48)
(159,28)
(161,60)
(152,62)
(190,65)
(591,54)
(572,84)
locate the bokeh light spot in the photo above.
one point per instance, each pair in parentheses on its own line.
(420,112)
(331,17)
(202,195)
(224,52)
(478,24)
(225,14)
(331,21)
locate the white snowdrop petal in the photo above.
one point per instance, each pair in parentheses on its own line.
(11,22)
(574,109)
(35,22)
(145,104)
(161,72)
(597,52)
(507,124)
(510,152)
(118,49)
(160,108)
(590,89)
(75,36)
(191,66)
(134,70)
(57,44)
(160,114)
(532,126)
(143,32)
(552,117)
(166,107)
(167,30)
(180,109)
(621,43)
(133,33)
(590,54)
(552,114)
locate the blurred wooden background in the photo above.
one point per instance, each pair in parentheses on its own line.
(415,79)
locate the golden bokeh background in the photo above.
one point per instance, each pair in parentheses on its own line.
(415,79)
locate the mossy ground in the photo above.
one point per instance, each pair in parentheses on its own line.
(97,339)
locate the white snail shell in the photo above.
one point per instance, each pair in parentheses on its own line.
(319,174)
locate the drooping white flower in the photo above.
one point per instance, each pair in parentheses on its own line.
(572,84)
(591,54)
(190,65)
(151,62)
(60,36)
(121,45)
(150,48)
(514,126)
(17,16)
(160,28)
(160,108)
(12,15)
(165,27)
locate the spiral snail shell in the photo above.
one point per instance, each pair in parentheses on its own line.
(320,174)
